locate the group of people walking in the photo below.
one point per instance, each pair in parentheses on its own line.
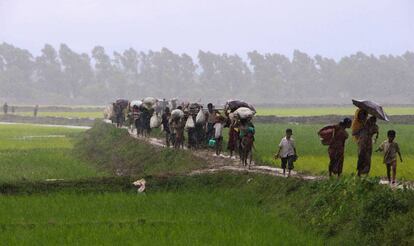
(204,128)
(193,127)
(365,133)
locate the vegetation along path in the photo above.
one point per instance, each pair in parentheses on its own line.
(223,162)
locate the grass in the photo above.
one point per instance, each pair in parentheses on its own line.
(318,111)
(213,209)
(313,156)
(114,149)
(197,217)
(29,152)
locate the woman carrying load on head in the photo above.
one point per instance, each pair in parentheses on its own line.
(232,144)
(336,148)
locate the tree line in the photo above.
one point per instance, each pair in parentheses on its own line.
(63,76)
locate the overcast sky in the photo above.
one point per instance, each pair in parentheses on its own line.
(327,27)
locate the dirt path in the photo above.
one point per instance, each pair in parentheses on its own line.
(224,162)
(220,163)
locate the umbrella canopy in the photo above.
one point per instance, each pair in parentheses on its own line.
(372,108)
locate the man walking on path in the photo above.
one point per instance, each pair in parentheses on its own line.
(287,152)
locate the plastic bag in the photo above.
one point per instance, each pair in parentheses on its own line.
(189,123)
(200,118)
(212,142)
(155,121)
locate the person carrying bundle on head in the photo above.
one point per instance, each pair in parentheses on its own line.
(136,119)
(233,141)
(165,119)
(211,119)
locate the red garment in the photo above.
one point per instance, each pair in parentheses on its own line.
(233,138)
(336,150)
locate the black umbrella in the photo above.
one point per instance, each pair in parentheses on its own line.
(372,108)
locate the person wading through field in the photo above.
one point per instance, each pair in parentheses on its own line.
(336,148)
(287,152)
(365,145)
(165,119)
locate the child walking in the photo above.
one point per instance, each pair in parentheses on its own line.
(390,149)
(287,152)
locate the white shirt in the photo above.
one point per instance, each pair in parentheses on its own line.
(219,130)
(287,147)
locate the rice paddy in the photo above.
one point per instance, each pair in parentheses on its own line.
(319,111)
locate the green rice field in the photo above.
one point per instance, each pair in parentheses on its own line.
(313,156)
(198,217)
(318,111)
(32,152)
(93,208)
(72,114)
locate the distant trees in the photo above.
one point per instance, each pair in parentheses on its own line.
(66,77)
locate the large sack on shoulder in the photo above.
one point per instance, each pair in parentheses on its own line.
(149,102)
(108,112)
(177,113)
(244,113)
(327,134)
(189,123)
(233,105)
(201,117)
(155,121)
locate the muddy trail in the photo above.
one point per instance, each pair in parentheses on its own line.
(224,162)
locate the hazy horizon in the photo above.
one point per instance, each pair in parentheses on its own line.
(318,27)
